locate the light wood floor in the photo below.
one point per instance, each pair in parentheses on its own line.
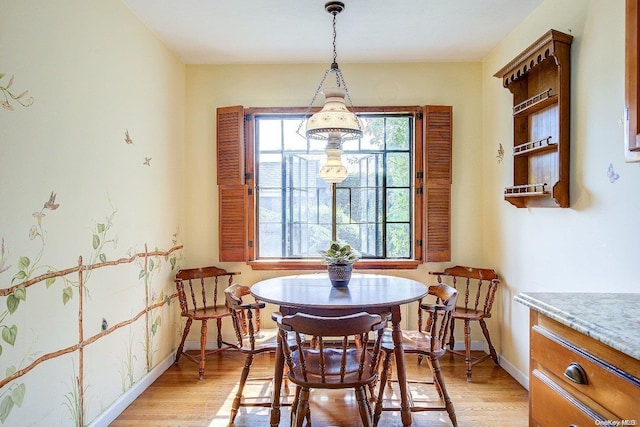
(178,398)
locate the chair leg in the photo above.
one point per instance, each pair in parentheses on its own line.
(467,348)
(243,380)
(492,350)
(219,326)
(302,408)
(187,327)
(203,348)
(285,379)
(372,391)
(435,380)
(363,406)
(383,382)
(440,385)
(452,339)
(294,406)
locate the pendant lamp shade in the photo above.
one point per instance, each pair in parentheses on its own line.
(334,118)
(333,170)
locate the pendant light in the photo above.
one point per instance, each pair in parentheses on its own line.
(334,123)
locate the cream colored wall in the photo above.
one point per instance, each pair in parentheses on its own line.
(94,72)
(592,246)
(212,86)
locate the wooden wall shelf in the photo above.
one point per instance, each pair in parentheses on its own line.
(537,146)
(517,193)
(539,79)
(535,103)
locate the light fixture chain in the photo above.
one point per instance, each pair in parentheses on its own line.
(335,52)
(307,113)
(334,123)
(347,95)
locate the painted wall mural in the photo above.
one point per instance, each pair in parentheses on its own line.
(89,233)
(129,141)
(31,274)
(10,98)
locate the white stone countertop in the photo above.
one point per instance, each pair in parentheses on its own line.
(611,318)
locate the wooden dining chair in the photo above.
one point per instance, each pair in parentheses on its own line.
(333,362)
(428,341)
(198,295)
(477,288)
(251,340)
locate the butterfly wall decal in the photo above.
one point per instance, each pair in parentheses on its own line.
(611,174)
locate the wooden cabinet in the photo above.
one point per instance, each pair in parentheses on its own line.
(539,79)
(578,381)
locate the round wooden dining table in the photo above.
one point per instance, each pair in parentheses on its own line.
(314,294)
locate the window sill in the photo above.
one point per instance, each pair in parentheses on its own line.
(363,264)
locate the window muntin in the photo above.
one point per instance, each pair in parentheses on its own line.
(298,213)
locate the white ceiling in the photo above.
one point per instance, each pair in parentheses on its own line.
(300,31)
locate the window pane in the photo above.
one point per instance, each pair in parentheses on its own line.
(269,135)
(343,205)
(398,241)
(371,240)
(398,170)
(293,141)
(269,170)
(350,234)
(270,239)
(373,135)
(398,205)
(398,133)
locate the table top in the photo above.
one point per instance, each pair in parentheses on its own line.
(316,291)
(610,318)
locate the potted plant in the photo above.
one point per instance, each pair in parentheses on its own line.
(339,259)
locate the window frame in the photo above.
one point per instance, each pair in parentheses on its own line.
(336,194)
(432,186)
(632,84)
(313,263)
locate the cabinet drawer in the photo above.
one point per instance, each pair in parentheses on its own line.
(605,384)
(551,405)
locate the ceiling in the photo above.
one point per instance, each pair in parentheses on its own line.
(300,31)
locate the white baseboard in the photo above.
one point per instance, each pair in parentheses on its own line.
(521,377)
(117,407)
(475,346)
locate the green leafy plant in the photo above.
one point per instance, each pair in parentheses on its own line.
(339,253)
(74,401)
(13,396)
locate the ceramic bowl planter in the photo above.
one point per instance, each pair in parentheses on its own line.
(339,274)
(339,259)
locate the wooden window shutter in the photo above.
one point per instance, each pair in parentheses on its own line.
(230,145)
(232,191)
(439,131)
(232,232)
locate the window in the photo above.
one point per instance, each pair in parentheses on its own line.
(298,213)
(275,211)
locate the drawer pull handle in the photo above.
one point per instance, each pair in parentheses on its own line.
(576,374)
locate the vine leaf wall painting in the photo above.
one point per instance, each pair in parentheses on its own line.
(22,98)
(31,271)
